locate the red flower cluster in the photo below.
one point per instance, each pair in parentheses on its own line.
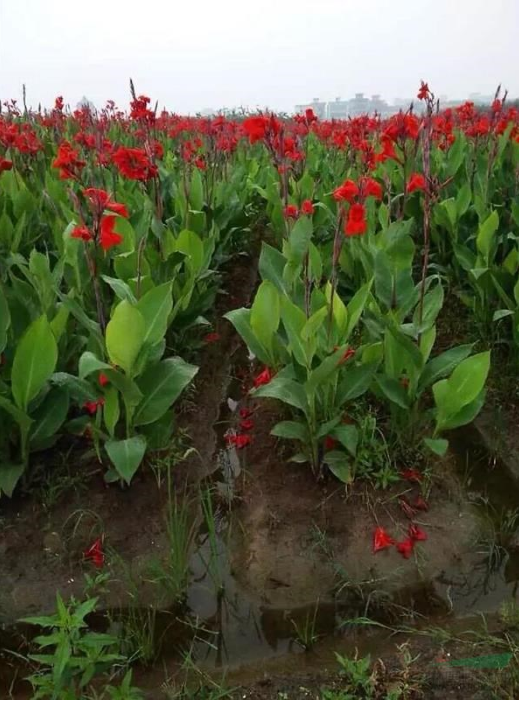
(263,378)
(134,164)
(415,182)
(100,200)
(382,540)
(349,191)
(68,162)
(5,165)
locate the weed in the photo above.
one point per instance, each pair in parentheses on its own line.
(305,632)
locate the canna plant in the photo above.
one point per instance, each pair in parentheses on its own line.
(305,335)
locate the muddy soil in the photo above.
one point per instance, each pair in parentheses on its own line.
(304,540)
(43,536)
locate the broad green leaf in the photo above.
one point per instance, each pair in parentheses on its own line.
(126,455)
(155,307)
(125,335)
(111,409)
(338,463)
(5,320)
(120,288)
(392,389)
(161,385)
(240,319)
(486,234)
(437,446)
(348,435)
(50,415)
(442,365)
(291,430)
(34,362)
(355,382)
(271,266)
(10,474)
(356,306)
(286,390)
(299,239)
(265,314)
(89,363)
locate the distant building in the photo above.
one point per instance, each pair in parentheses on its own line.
(338,109)
(316,105)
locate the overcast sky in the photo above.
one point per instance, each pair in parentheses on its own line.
(195,54)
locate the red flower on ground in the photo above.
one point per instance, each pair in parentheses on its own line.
(247,424)
(415,182)
(245,412)
(424,91)
(405,547)
(307,208)
(381,540)
(411,474)
(356,222)
(80,231)
(263,378)
(416,533)
(5,165)
(211,337)
(238,440)
(92,405)
(347,191)
(103,379)
(108,236)
(406,508)
(290,211)
(421,504)
(95,553)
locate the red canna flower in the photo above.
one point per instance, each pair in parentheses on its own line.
(100,200)
(108,236)
(405,547)
(200,163)
(356,222)
(415,182)
(134,164)
(92,405)
(247,424)
(417,534)
(290,211)
(80,231)
(103,379)
(263,378)
(307,208)
(371,188)
(255,127)
(211,337)
(329,443)
(411,474)
(5,165)
(424,91)
(347,191)
(381,540)
(421,504)
(67,160)
(95,553)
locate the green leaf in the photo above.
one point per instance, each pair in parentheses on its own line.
(437,446)
(356,306)
(466,414)
(271,265)
(120,288)
(160,385)
(486,233)
(299,240)
(155,307)
(89,363)
(5,320)
(313,324)
(355,382)
(126,455)
(392,389)
(440,366)
(286,390)
(291,430)
(50,415)
(240,319)
(10,474)
(339,465)
(348,435)
(111,409)
(265,314)
(34,362)
(125,335)
(196,191)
